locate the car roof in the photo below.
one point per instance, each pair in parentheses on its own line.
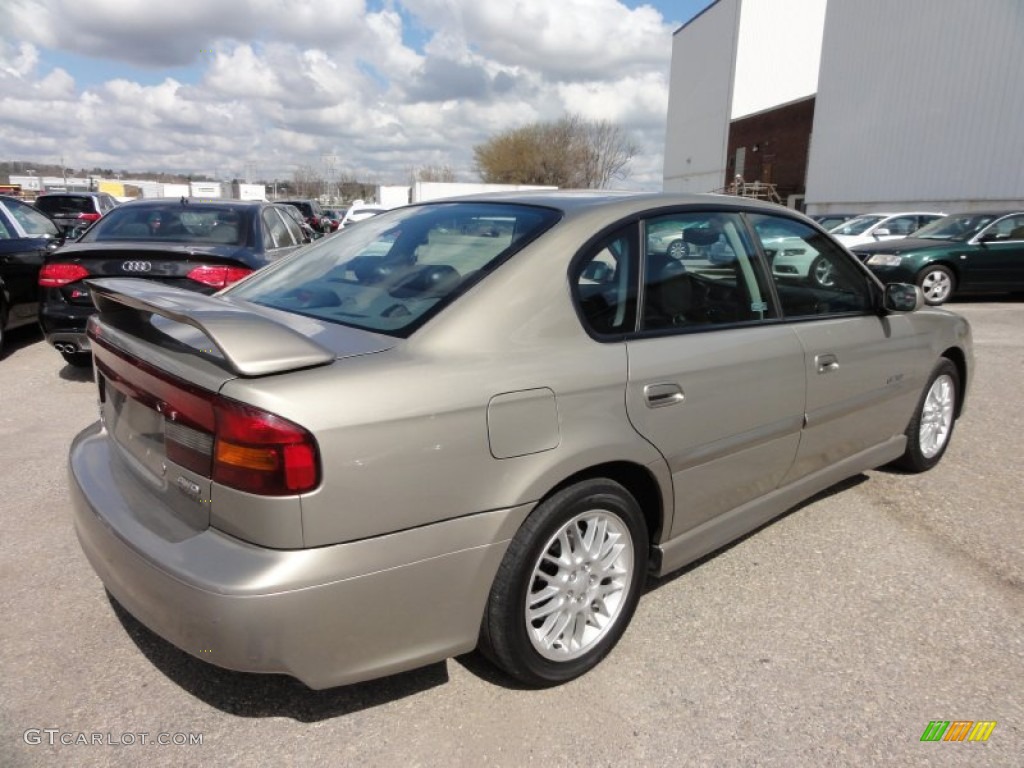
(70,194)
(192,202)
(620,202)
(1006,212)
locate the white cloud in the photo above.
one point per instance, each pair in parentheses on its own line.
(283,83)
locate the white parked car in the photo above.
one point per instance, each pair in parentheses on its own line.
(873,227)
(359,211)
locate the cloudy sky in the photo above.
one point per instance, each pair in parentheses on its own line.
(373,88)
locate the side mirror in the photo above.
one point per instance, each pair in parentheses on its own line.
(882,232)
(988,237)
(903,297)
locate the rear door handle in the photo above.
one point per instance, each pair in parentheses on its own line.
(659,395)
(826,363)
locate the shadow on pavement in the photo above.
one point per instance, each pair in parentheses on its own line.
(20,338)
(257,695)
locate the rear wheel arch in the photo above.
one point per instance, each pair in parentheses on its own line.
(636,479)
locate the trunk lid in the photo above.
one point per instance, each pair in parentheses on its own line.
(162,356)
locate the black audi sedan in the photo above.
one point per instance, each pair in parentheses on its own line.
(26,237)
(200,245)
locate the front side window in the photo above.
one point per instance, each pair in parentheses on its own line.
(960,227)
(394,271)
(700,269)
(1008,228)
(813,275)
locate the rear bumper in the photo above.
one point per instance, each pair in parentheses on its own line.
(65,323)
(327,616)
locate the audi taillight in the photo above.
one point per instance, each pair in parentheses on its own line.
(89,216)
(56,275)
(237,445)
(218,276)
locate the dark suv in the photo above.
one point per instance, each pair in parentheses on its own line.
(312,213)
(75,210)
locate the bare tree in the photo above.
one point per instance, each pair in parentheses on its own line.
(443,173)
(569,152)
(307,181)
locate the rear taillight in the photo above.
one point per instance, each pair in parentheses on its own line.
(56,275)
(262,453)
(236,445)
(89,216)
(218,277)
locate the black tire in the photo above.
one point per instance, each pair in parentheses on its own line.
(78,359)
(921,455)
(820,273)
(510,640)
(937,283)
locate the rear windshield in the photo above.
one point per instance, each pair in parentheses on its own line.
(394,271)
(55,206)
(173,223)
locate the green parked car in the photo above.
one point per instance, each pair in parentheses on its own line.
(979,252)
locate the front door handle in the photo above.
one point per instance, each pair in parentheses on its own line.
(826,363)
(659,395)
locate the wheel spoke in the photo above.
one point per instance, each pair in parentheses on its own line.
(569,610)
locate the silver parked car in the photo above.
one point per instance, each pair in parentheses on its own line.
(484,422)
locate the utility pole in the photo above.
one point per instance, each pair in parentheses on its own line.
(329,162)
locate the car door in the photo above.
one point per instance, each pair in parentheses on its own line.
(26,237)
(864,371)
(716,390)
(996,261)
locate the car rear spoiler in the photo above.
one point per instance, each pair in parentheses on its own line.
(252,344)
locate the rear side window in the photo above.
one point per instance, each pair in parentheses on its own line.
(277,229)
(605,284)
(701,271)
(393,272)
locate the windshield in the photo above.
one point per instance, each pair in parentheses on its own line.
(857,226)
(172,223)
(395,270)
(961,227)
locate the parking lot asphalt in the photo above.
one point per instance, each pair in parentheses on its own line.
(832,636)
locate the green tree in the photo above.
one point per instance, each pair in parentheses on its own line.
(569,152)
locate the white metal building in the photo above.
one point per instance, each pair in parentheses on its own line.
(918,103)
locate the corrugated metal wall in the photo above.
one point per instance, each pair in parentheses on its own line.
(700,97)
(920,102)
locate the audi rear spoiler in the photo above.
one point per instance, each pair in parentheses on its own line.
(251,344)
